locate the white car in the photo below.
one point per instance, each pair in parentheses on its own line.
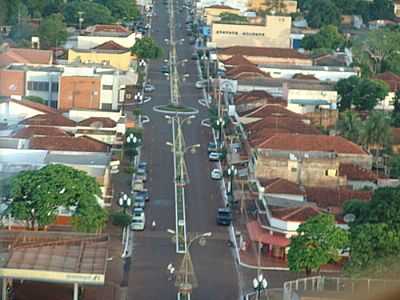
(138,221)
(215,156)
(148,88)
(216,174)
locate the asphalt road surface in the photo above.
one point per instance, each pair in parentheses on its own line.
(153,249)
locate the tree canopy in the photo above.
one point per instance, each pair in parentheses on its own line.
(362,93)
(121,9)
(147,48)
(37,194)
(376,131)
(375,234)
(322,13)
(327,38)
(318,242)
(350,126)
(52,31)
(232,18)
(92,13)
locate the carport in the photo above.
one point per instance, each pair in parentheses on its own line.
(53,257)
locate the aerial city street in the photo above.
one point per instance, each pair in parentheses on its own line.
(199,149)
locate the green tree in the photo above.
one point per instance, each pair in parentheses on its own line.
(381,9)
(350,126)
(52,31)
(395,116)
(362,93)
(39,193)
(376,132)
(276,6)
(318,242)
(120,219)
(92,13)
(323,12)
(146,48)
(121,9)
(4,12)
(373,49)
(22,32)
(327,38)
(346,88)
(394,166)
(370,93)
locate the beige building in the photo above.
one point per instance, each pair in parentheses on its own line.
(396,7)
(288,6)
(212,13)
(274,32)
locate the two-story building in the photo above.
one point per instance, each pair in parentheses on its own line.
(274,32)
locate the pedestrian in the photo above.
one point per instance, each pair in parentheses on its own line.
(153,225)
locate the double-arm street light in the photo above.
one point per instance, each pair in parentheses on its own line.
(185,277)
(124,201)
(259,285)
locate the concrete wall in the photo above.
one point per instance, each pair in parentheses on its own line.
(310,172)
(275,33)
(120,61)
(305,94)
(79,92)
(12,83)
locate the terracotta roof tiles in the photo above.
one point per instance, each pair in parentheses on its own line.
(28,132)
(25,56)
(51,119)
(354,172)
(67,143)
(249,70)
(270,110)
(295,214)
(392,80)
(304,77)
(281,186)
(98,122)
(34,105)
(110,45)
(236,60)
(310,142)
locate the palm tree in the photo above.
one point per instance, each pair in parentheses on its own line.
(376,133)
(350,126)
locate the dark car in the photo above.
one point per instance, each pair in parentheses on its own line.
(164,69)
(144,194)
(224,216)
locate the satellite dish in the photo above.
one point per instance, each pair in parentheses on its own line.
(348,218)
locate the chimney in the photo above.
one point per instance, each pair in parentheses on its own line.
(35,42)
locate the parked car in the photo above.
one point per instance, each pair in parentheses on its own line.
(216,174)
(215,156)
(195,56)
(224,216)
(145,194)
(142,164)
(139,201)
(212,147)
(164,69)
(148,88)
(138,221)
(201,84)
(141,174)
(137,210)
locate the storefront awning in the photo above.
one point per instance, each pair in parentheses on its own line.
(258,234)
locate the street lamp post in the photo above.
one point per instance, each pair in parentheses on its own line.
(220,124)
(125,201)
(133,140)
(232,172)
(185,276)
(259,285)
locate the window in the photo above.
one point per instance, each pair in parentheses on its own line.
(107,87)
(331,172)
(106,106)
(38,86)
(293,169)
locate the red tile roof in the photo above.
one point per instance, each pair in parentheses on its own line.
(256,96)
(34,105)
(295,214)
(334,198)
(247,70)
(262,51)
(281,186)
(98,122)
(270,110)
(110,45)
(258,234)
(310,142)
(260,131)
(236,60)
(52,119)
(28,132)
(354,172)
(25,56)
(67,143)
(108,28)
(391,79)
